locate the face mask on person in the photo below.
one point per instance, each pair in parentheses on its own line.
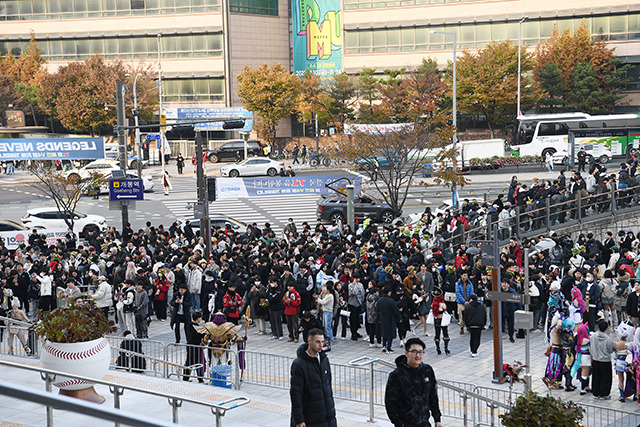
(589,279)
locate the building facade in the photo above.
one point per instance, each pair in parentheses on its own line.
(204,44)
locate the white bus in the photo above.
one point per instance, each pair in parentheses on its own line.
(542,134)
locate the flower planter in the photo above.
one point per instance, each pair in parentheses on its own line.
(88,359)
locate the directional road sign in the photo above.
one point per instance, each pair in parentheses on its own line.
(126,189)
(153,137)
(505,297)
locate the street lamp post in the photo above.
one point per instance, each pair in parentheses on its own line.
(519,113)
(453,34)
(136,113)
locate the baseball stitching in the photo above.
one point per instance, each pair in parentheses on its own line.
(78,355)
(68,383)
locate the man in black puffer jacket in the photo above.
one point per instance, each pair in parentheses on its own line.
(475,317)
(311,395)
(411,395)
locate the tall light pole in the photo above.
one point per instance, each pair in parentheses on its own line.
(136,113)
(518,112)
(454,196)
(162,128)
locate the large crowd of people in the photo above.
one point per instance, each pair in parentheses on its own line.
(386,283)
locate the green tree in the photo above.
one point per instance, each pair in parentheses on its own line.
(605,75)
(553,88)
(425,90)
(596,92)
(488,80)
(341,96)
(272,93)
(368,88)
(394,96)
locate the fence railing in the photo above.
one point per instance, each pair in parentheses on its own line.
(217,408)
(355,382)
(12,332)
(541,216)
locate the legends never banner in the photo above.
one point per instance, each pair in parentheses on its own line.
(232,188)
(51,148)
(317,37)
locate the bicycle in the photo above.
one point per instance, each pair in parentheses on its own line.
(315,161)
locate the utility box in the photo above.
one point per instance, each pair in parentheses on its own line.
(523,320)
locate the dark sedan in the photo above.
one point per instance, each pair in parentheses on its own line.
(229,150)
(332,209)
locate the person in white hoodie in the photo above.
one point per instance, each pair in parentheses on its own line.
(46,289)
(102,296)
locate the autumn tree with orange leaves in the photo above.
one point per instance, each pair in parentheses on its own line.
(578,73)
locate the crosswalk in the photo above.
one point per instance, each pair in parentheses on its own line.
(273,209)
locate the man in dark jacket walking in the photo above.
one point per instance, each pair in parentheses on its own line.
(411,396)
(311,395)
(389,317)
(475,317)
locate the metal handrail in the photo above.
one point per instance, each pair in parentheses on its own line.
(218,408)
(80,406)
(131,354)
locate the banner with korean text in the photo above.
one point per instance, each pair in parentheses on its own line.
(232,188)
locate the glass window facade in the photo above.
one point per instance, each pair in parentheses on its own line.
(190,90)
(125,47)
(27,10)
(470,36)
(258,7)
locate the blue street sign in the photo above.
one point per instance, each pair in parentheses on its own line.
(153,137)
(126,189)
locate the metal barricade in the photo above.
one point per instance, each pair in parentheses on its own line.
(266,369)
(204,358)
(154,349)
(12,332)
(598,416)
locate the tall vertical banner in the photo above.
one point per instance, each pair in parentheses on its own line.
(317,37)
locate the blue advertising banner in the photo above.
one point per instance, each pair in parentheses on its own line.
(317,37)
(126,189)
(51,148)
(232,188)
(211,113)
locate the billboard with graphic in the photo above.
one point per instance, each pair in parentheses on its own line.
(317,37)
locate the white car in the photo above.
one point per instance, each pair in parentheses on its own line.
(50,218)
(99,167)
(254,166)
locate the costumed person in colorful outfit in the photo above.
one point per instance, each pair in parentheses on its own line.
(560,355)
(555,305)
(582,365)
(624,361)
(439,307)
(577,307)
(636,362)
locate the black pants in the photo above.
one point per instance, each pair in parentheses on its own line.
(373,329)
(177,320)
(275,317)
(510,328)
(474,340)
(590,317)
(354,319)
(160,307)
(601,378)
(46,303)
(438,327)
(193,357)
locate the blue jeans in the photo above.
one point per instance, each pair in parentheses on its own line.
(327,320)
(386,343)
(195,302)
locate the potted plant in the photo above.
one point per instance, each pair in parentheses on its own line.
(532,409)
(75,343)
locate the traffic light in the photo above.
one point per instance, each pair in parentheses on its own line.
(233,124)
(211,189)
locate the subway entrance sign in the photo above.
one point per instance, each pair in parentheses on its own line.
(125,189)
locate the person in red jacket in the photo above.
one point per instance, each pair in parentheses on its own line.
(160,295)
(291,301)
(232,302)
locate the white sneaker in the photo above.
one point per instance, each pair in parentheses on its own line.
(378,345)
(413,331)
(274,337)
(401,343)
(281,338)
(343,338)
(372,345)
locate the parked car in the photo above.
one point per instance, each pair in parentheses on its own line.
(13,234)
(221,221)
(101,168)
(50,218)
(228,151)
(332,209)
(255,166)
